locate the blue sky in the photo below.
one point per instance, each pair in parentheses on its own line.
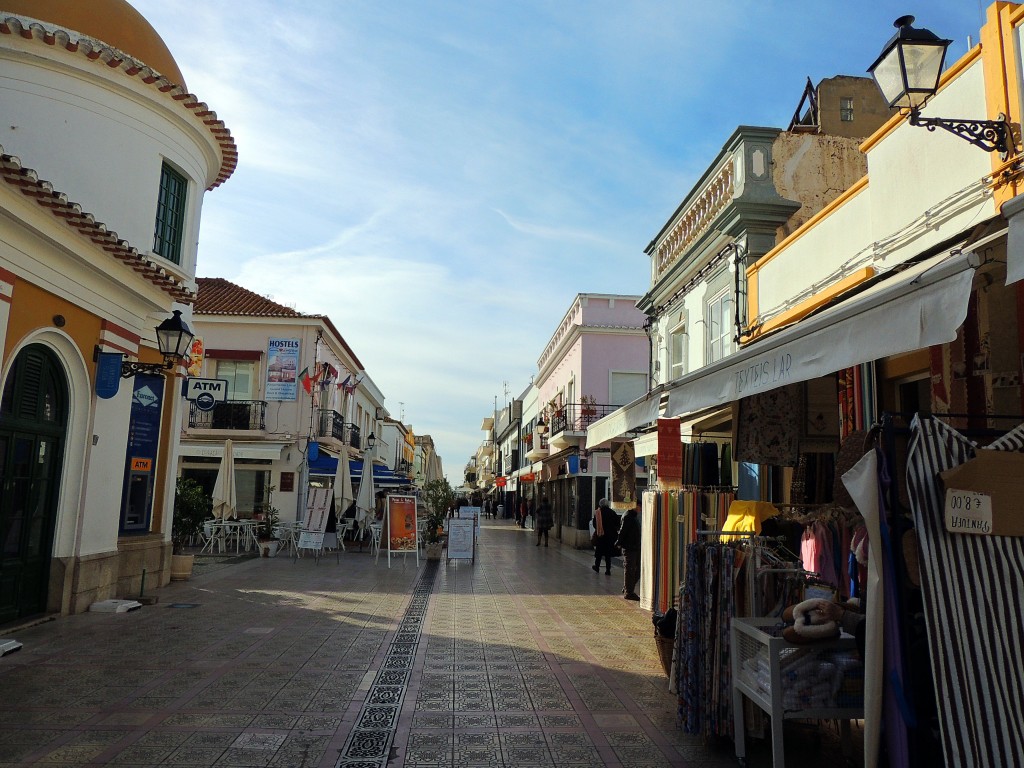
(442,178)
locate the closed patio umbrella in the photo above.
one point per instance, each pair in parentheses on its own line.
(365,501)
(343,495)
(225,500)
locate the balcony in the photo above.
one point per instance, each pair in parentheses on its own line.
(569,422)
(237,415)
(331,425)
(537,448)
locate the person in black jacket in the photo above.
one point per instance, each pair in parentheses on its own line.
(629,542)
(606,524)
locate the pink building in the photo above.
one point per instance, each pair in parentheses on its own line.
(597,360)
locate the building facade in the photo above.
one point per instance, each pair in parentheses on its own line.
(105,160)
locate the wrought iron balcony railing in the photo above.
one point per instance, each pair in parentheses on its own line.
(576,417)
(233,414)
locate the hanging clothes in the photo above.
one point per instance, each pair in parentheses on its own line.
(972,587)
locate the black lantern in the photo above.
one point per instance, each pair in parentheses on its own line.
(371,441)
(174,338)
(908,69)
(907,73)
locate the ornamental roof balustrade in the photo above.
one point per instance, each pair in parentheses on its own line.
(696,218)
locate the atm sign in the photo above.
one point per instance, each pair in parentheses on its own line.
(142,465)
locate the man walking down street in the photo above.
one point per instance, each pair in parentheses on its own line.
(543,521)
(629,542)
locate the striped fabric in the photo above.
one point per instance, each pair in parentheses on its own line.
(972,587)
(659,578)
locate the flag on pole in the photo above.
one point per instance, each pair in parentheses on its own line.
(308,381)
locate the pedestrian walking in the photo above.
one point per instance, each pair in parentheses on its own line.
(629,542)
(606,530)
(521,515)
(544,520)
(531,514)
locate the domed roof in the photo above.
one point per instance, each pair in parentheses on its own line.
(113,22)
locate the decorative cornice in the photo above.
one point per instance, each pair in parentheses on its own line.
(97,51)
(26,181)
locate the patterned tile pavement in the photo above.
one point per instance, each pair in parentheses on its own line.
(525,658)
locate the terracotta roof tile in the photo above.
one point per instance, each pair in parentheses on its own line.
(26,181)
(217,296)
(96,50)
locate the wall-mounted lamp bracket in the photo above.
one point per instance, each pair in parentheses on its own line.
(990,135)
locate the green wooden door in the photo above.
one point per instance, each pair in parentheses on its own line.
(33,420)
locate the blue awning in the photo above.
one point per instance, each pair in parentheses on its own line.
(328,465)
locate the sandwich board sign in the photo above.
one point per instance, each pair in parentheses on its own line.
(400,531)
(461,539)
(318,505)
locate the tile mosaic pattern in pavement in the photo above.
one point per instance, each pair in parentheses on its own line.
(525,658)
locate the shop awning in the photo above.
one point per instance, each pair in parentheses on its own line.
(326,464)
(920,307)
(642,411)
(210,450)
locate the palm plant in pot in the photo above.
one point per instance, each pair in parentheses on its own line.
(266,531)
(191,508)
(438,496)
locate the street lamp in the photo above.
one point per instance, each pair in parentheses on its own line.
(174,338)
(371,441)
(907,73)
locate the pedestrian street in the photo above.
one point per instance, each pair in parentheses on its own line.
(525,658)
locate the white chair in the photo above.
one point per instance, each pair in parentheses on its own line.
(375,531)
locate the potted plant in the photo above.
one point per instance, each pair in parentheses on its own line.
(266,531)
(438,496)
(588,408)
(191,508)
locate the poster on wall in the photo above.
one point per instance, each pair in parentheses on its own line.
(141,454)
(400,531)
(196,352)
(283,369)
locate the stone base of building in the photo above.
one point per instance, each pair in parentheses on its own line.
(77,583)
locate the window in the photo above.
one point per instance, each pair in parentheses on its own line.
(170,214)
(677,351)
(719,326)
(240,375)
(846,109)
(626,387)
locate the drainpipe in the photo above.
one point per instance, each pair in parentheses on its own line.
(649,330)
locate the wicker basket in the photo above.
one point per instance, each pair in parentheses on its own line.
(665,646)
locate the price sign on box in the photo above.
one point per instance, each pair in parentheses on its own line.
(968,512)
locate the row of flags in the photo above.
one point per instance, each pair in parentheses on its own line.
(326,372)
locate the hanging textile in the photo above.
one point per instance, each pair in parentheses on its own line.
(768,427)
(660,564)
(972,587)
(707,604)
(863,489)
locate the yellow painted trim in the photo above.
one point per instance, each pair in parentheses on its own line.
(856,188)
(807,306)
(896,120)
(752,288)
(1017,15)
(1001,89)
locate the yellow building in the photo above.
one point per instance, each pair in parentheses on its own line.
(104,159)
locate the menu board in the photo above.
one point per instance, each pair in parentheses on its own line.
(461,538)
(402,524)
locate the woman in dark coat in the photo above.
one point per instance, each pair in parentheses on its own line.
(606,525)
(544,521)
